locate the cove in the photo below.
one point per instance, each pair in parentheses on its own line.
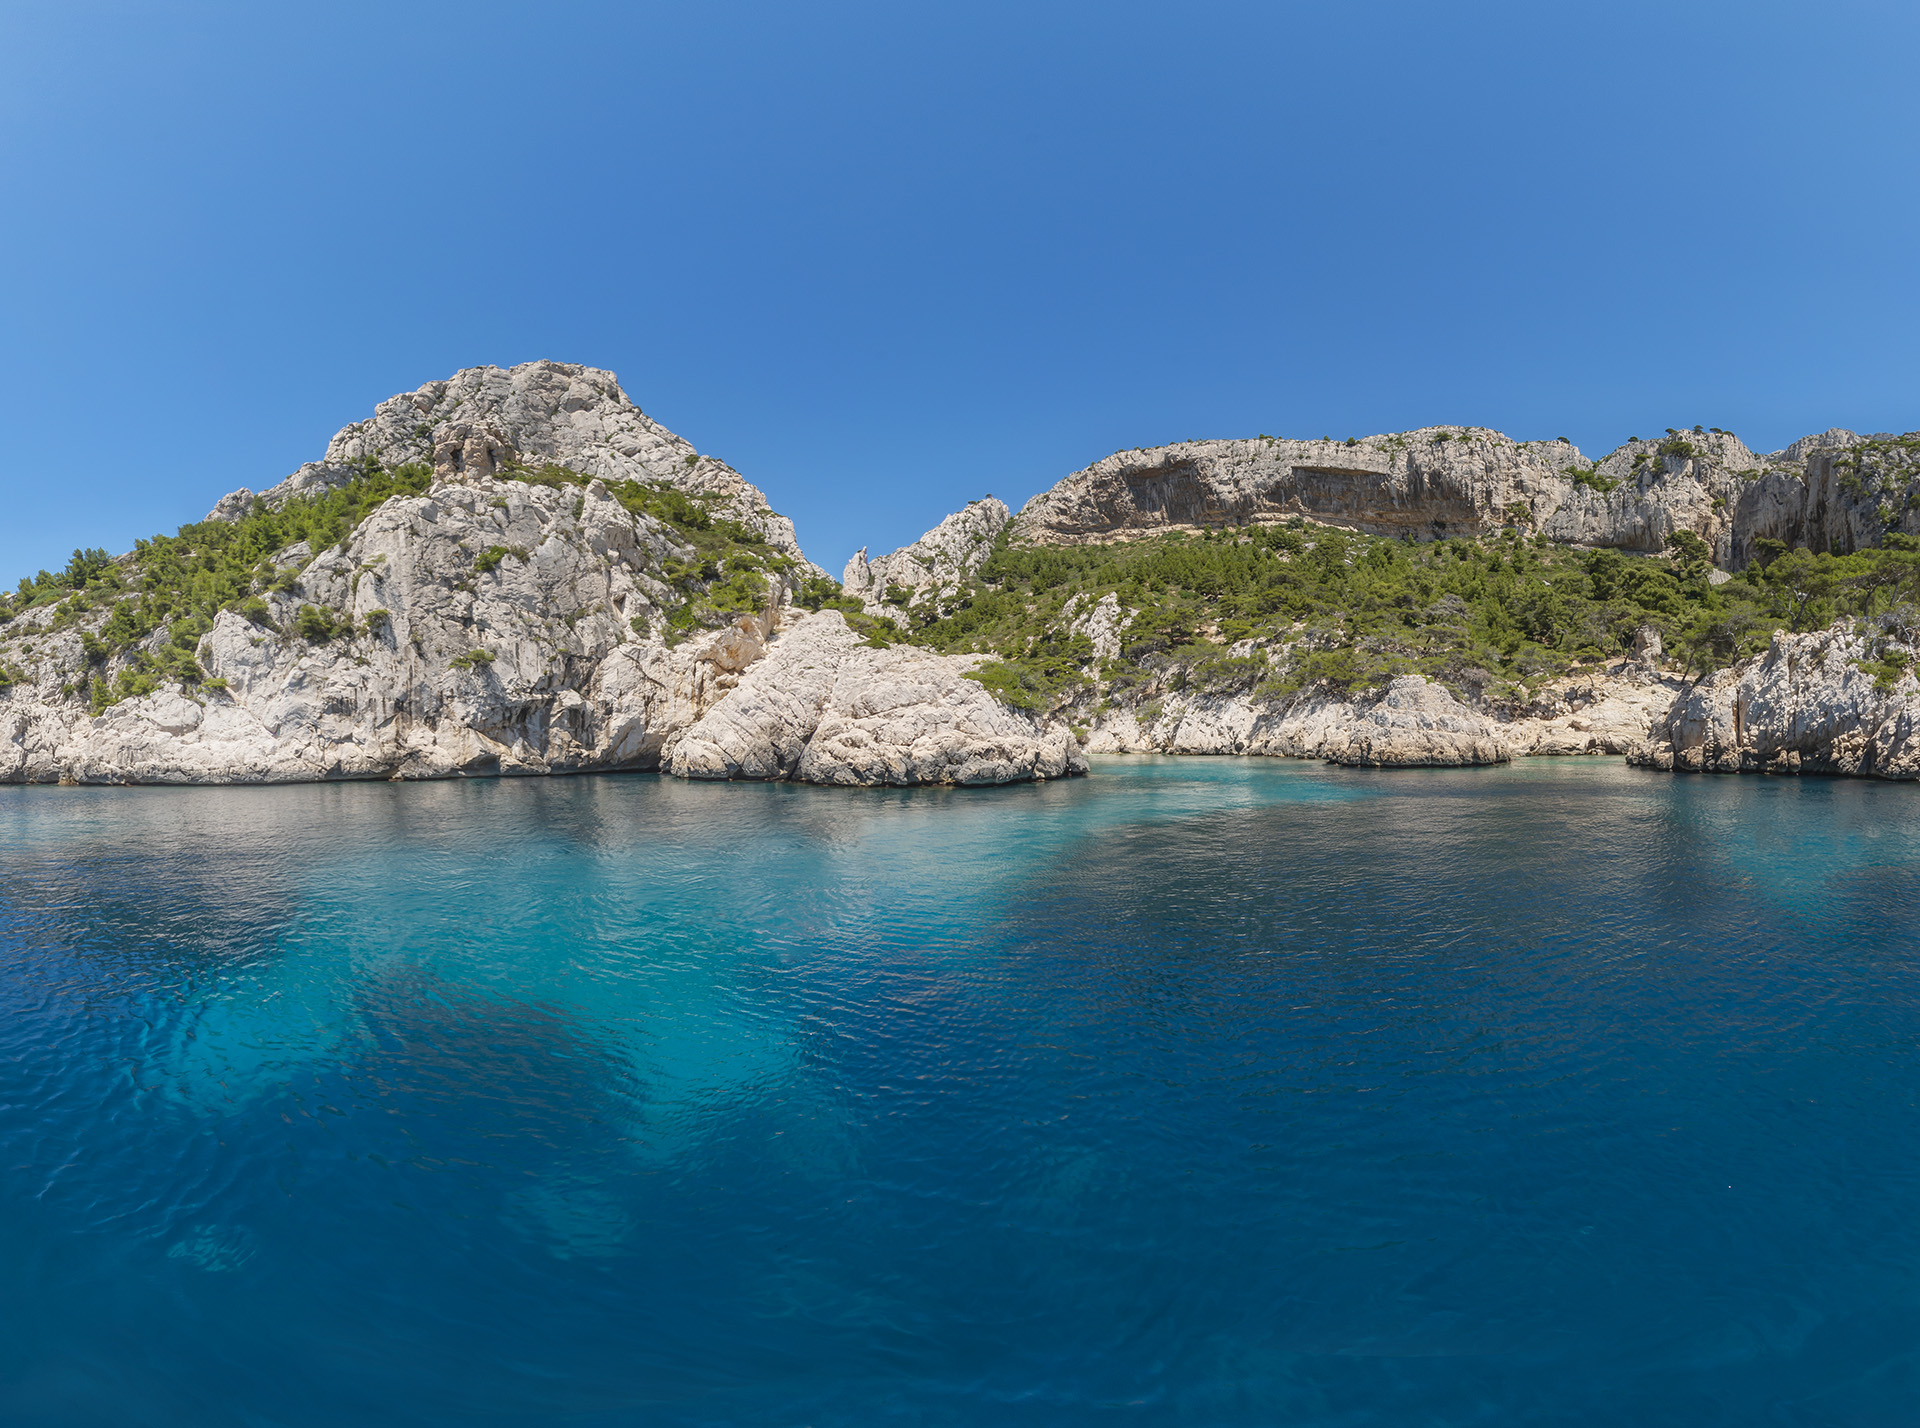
(1198,1091)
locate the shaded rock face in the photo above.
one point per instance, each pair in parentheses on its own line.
(484,419)
(1440,482)
(935,565)
(1805,706)
(823,707)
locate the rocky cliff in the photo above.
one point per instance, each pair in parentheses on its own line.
(824,707)
(1836,491)
(1836,701)
(557,584)
(487,420)
(519,572)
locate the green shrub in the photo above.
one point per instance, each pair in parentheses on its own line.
(817,592)
(1886,668)
(1590,477)
(316,624)
(1690,547)
(209,566)
(491,557)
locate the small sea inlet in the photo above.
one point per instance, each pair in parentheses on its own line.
(1198,1091)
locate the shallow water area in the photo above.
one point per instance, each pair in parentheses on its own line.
(1208,1091)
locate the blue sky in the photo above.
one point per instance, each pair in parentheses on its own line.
(885,258)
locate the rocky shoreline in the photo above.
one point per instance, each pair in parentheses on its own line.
(541,605)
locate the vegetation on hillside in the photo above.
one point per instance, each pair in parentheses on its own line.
(1276,609)
(179,583)
(730,570)
(1269,609)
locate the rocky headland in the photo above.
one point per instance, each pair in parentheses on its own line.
(519,572)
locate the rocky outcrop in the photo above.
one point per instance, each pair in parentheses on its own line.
(824,707)
(1838,701)
(484,420)
(437,663)
(1416,724)
(1836,491)
(500,626)
(1607,711)
(1612,710)
(936,565)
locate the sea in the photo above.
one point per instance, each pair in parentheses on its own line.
(1196,1091)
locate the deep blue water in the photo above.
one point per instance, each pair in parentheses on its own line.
(1196,1092)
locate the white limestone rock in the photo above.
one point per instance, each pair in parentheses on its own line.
(1416,724)
(1836,491)
(1804,706)
(1102,621)
(1601,712)
(761,729)
(824,707)
(448,668)
(933,567)
(483,419)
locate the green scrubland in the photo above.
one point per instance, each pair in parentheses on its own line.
(1271,609)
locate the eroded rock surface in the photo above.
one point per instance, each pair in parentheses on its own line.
(483,420)
(1837,490)
(530,666)
(935,565)
(1804,706)
(500,626)
(824,707)
(1416,724)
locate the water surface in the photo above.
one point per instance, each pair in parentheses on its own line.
(1202,1091)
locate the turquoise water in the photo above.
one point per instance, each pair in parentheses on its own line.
(1197,1092)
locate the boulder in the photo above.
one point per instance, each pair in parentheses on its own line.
(825,707)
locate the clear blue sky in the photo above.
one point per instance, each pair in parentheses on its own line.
(884,258)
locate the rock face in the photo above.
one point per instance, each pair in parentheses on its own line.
(935,565)
(1606,711)
(530,666)
(501,625)
(484,419)
(823,707)
(1419,725)
(497,626)
(1805,706)
(1835,491)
